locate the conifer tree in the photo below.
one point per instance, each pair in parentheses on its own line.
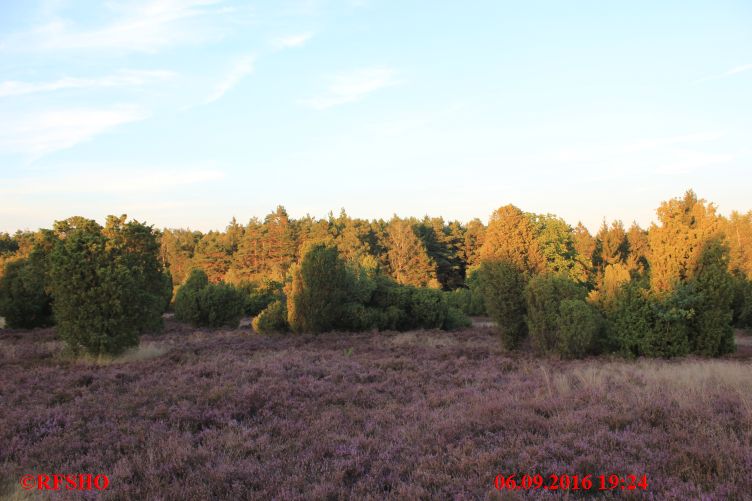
(556,241)
(511,237)
(107,283)
(321,292)
(177,247)
(584,246)
(639,249)
(213,255)
(738,230)
(279,244)
(474,238)
(408,259)
(687,224)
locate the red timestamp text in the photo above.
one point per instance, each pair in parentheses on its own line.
(611,482)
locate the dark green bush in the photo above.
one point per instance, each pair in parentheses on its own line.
(187,305)
(710,329)
(427,308)
(630,321)
(107,283)
(543,295)
(502,286)
(639,323)
(272,319)
(220,305)
(257,296)
(579,325)
(469,299)
(742,302)
(24,301)
(203,304)
(321,293)
(456,319)
(403,307)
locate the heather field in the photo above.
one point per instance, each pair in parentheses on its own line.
(202,414)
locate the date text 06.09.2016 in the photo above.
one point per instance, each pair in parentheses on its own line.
(565,482)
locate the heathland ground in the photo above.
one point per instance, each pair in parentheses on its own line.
(218,414)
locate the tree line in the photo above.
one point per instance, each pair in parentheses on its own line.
(674,288)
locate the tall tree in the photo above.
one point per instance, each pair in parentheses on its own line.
(611,244)
(687,224)
(511,236)
(474,238)
(639,249)
(584,246)
(738,231)
(246,262)
(177,247)
(279,244)
(213,255)
(408,259)
(556,241)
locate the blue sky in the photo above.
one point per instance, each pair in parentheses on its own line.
(187,113)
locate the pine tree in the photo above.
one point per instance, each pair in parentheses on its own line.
(511,237)
(177,247)
(556,241)
(279,244)
(639,249)
(474,238)
(738,230)
(584,246)
(611,244)
(408,259)
(213,255)
(676,245)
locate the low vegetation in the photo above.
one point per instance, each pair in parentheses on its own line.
(213,414)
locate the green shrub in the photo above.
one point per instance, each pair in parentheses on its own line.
(24,301)
(640,323)
(272,319)
(669,336)
(578,328)
(167,289)
(107,283)
(543,295)
(630,322)
(456,319)
(321,291)
(742,302)
(187,304)
(502,286)
(258,296)
(710,329)
(203,304)
(469,301)
(220,305)
(427,308)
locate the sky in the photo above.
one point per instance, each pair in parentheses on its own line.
(188,113)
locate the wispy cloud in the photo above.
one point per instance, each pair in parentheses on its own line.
(240,69)
(600,152)
(353,86)
(118,179)
(142,26)
(684,161)
(123,78)
(733,71)
(39,133)
(292,41)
